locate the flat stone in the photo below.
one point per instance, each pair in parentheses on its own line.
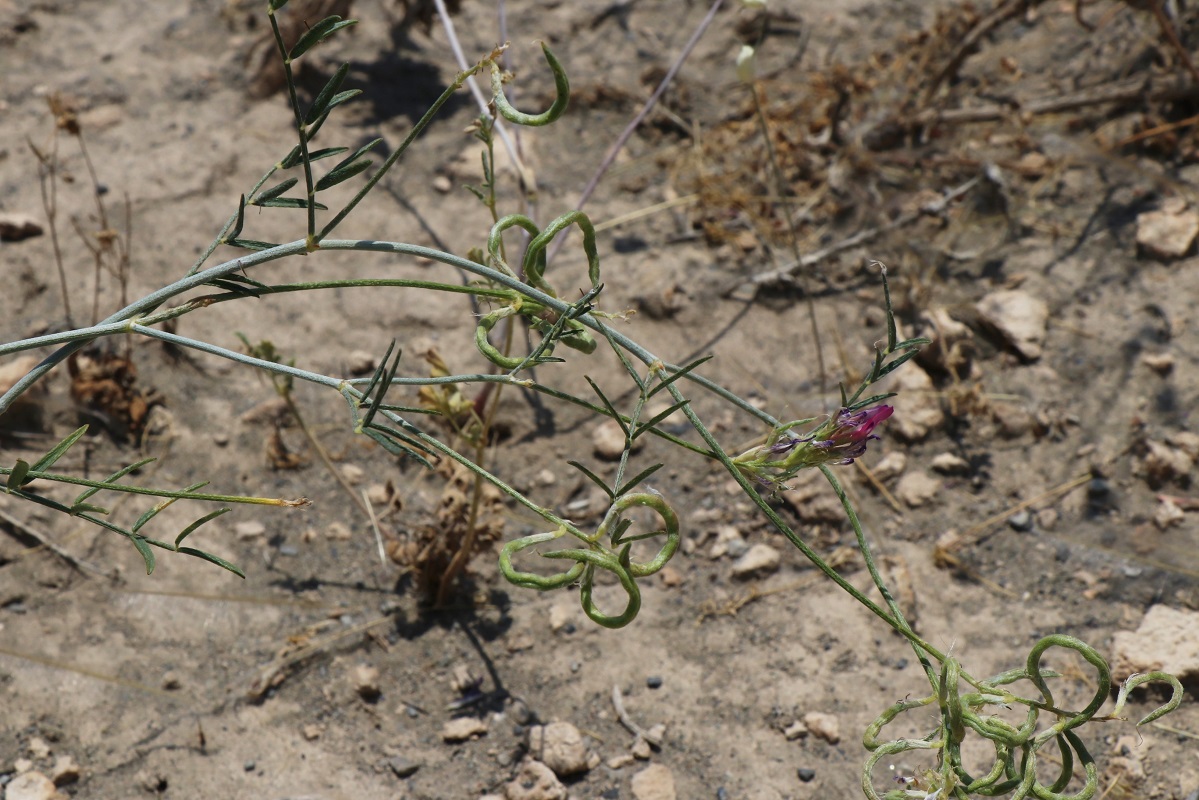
(1165,640)
(249,529)
(758,560)
(338,531)
(655,782)
(812,500)
(823,726)
(1161,363)
(671,577)
(728,542)
(362,362)
(559,746)
(463,728)
(15,227)
(1167,234)
(950,464)
(534,781)
(917,409)
(403,767)
(796,730)
(890,466)
(31,786)
(917,488)
(1020,319)
(607,439)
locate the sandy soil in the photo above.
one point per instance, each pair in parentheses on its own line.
(323,675)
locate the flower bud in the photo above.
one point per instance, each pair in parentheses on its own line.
(745,65)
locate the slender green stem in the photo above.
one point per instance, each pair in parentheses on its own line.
(301,131)
(165,493)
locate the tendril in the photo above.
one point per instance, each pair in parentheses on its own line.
(556,109)
(616,559)
(1014,770)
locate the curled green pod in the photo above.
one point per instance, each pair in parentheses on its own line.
(490,351)
(556,109)
(670,529)
(534,263)
(632,607)
(530,580)
(495,240)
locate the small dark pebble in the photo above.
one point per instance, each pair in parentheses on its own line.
(402,767)
(654,681)
(249,766)
(901,663)
(806,774)
(1063,553)
(722,794)
(521,713)
(1020,521)
(411,711)
(569,628)
(611,794)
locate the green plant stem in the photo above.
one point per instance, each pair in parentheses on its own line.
(164,493)
(77,339)
(309,184)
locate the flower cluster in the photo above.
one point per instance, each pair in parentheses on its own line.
(841,439)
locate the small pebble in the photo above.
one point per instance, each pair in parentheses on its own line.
(365,679)
(30,786)
(654,681)
(655,782)
(442,184)
(796,730)
(561,747)
(288,550)
(462,729)
(806,774)
(1020,521)
(249,766)
(353,473)
(641,749)
(823,726)
(950,464)
(760,559)
(361,362)
(64,771)
(402,767)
